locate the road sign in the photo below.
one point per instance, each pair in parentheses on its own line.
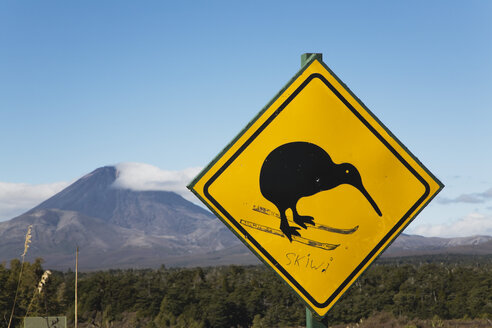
(316,186)
(45,322)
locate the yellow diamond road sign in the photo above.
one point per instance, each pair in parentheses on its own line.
(316,186)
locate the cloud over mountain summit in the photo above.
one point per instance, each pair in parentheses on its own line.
(17,198)
(145,177)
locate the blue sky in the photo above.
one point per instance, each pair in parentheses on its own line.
(169,84)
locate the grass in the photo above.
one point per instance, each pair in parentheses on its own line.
(26,246)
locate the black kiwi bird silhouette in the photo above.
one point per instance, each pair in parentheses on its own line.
(300,169)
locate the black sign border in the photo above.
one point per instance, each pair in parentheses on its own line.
(376,249)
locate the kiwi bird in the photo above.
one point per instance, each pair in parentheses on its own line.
(299,169)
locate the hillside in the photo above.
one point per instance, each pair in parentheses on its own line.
(120,228)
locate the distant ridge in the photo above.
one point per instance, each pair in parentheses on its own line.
(409,245)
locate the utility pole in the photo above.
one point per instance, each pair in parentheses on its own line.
(76,278)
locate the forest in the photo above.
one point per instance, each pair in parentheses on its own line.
(443,288)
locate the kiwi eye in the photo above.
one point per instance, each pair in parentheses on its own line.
(347,171)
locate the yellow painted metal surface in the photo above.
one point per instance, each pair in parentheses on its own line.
(320,261)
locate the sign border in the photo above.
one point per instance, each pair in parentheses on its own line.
(407,217)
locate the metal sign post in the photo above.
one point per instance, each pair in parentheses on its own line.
(312,321)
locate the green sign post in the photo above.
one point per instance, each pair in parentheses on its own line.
(312,320)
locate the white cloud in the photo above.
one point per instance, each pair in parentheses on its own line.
(17,198)
(487,193)
(139,177)
(470,225)
(473,198)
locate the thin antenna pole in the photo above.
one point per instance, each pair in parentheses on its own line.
(76,278)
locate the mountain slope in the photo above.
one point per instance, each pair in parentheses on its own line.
(117,227)
(154,212)
(408,245)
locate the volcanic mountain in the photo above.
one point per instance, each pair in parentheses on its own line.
(115,227)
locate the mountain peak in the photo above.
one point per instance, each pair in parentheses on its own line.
(88,195)
(105,173)
(96,195)
(102,216)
